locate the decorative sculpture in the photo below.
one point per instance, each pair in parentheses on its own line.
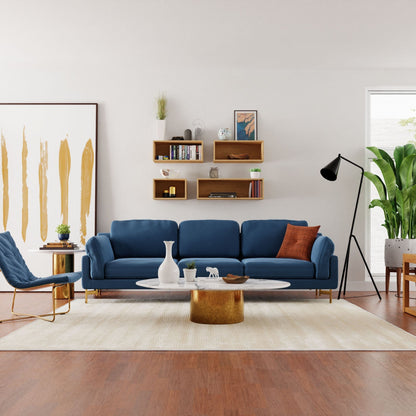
(213,272)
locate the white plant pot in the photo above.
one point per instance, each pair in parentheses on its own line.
(255,175)
(394,248)
(168,271)
(189,274)
(160,130)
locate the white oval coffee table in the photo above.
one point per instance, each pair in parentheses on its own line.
(212,300)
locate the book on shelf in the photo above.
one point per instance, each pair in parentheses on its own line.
(184,151)
(223,195)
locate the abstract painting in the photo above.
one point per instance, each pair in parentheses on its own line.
(48,173)
(245,125)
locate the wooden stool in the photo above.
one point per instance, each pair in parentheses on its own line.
(407,277)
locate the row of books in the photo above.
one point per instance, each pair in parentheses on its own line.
(184,151)
(254,189)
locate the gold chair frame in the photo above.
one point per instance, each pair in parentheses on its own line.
(42,316)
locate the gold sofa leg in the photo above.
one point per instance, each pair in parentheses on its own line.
(21,316)
(319,292)
(96,292)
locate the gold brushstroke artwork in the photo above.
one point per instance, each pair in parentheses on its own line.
(5,175)
(87,164)
(43,190)
(64,169)
(25,190)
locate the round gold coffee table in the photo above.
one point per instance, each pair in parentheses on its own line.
(212,300)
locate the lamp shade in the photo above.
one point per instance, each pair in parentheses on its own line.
(330,171)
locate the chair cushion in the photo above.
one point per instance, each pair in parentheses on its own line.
(209,238)
(143,238)
(133,268)
(263,238)
(224,265)
(278,268)
(298,242)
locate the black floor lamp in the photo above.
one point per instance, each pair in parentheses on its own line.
(330,172)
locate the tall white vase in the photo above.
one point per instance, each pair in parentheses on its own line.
(160,129)
(168,271)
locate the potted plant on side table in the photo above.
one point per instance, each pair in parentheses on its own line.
(190,272)
(63,231)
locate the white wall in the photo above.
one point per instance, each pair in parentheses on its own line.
(304,66)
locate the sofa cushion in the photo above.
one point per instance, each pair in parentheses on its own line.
(263,238)
(209,238)
(224,265)
(278,268)
(298,242)
(143,238)
(133,267)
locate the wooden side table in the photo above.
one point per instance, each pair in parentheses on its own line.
(398,271)
(407,277)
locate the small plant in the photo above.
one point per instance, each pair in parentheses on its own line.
(255,170)
(190,265)
(63,229)
(161,107)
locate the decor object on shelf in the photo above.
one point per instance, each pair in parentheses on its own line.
(330,172)
(160,133)
(238,156)
(48,173)
(255,173)
(170,173)
(245,125)
(189,272)
(187,134)
(63,231)
(213,172)
(397,199)
(172,191)
(232,151)
(224,134)
(213,272)
(19,277)
(168,271)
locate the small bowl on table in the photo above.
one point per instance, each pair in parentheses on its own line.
(234,279)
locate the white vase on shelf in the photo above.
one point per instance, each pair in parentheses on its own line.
(160,130)
(168,271)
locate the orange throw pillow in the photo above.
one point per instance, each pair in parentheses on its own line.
(298,242)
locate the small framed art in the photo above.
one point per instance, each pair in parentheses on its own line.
(245,124)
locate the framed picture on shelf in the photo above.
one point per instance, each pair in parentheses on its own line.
(245,124)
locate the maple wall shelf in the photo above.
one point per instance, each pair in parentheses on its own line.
(252,148)
(159,185)
(238,185)
(164,148)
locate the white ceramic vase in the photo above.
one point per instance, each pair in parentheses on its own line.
(189,274)
(394,249)
(168,271)
(160,130)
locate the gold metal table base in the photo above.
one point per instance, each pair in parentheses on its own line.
(217,306)
(63,263)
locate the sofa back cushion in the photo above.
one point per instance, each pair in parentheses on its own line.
(263,238)
(143,238)
(209,238)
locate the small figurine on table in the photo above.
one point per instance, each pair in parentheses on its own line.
(213,272)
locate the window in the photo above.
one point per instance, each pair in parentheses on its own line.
(386,111)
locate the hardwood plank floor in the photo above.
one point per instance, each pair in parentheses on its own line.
(209,383)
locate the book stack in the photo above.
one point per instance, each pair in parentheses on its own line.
(223,195)
(61,245)
(185,151)
(254,189)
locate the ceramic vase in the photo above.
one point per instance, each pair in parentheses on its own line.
(394,249)
(160,130)
(168,271)
(63,237)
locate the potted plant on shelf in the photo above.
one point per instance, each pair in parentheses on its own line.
(63,231)
(190,272)
(255,173)
(161,118)
(397,199)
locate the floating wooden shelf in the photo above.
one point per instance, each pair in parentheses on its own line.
(163,148)
(159,185)
(252,148)
(240,186)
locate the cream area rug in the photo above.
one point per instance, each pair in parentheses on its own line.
(313,324)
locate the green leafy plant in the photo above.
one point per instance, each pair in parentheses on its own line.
(255,170)
(161,107)
(63,229)
(397,189)
(190,265)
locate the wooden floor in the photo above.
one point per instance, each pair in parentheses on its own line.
(210,383)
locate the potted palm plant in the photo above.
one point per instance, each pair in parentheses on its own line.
(397,199)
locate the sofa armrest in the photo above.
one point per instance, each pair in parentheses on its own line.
(322,250)
(100,252)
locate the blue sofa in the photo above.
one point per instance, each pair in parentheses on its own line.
(134,250)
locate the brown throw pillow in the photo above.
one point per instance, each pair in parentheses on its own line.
(298,242)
